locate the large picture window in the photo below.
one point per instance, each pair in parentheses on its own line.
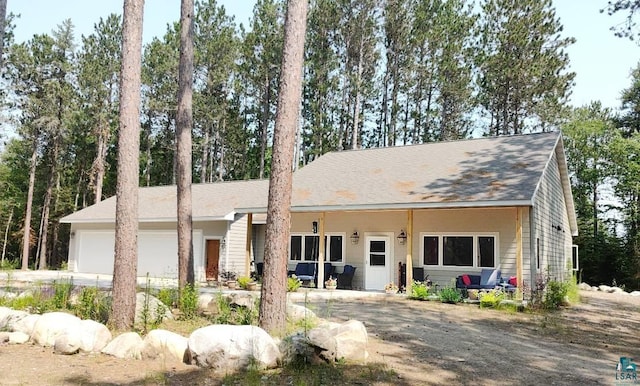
(459,250)
(305,247)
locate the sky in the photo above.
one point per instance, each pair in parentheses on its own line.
(601,61)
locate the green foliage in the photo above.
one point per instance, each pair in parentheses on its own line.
(419,291)
(8,265)
(450,295)
(62,291)
(555,294)
(93,304)
(168,296)
(188,303)
(243,281)
(490,299)
(293,283)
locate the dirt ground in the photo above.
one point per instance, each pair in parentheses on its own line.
(425,343)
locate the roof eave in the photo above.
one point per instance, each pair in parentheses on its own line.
(65,220)
(397,206)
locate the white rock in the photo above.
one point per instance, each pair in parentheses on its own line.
(67,343)
(242,299)
(635,293)
(604,288)
(7,295)
(14,317)
(296,313)
(617,290)
(18,338)
(94,336)
(232,348)
(25,324)
(156,310)
(51,325)
(584,286)
(4,336)
(595,289)
(203,302)
(4,314)
(347,341)
(125,346)
(351,337)
(164,344)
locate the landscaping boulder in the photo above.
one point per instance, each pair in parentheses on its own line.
(67,343)
(12,318)
(584,286)
(618,290)
(204,302)
(24,324)
(164,344)
(18,337)
(604,288)
(125,346)
(347,341)
(7,295)
(156,310)
(232,348)
(296,313)
(241,299)
(4,336)
(53,324)
(634,293)
(94,336)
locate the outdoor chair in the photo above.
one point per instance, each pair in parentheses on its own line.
(346,277)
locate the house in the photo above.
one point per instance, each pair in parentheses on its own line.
(447,207)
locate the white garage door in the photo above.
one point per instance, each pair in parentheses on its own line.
(157,252)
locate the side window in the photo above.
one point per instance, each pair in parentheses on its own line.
(295,252)
(430,251)
(486,251)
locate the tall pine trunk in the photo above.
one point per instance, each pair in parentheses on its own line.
(184,122)
(273,306)
(6,237)
(125,267)
(26,241)
(46,206)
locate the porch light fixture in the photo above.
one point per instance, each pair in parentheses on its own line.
(402,237)
(314,227)
(355,237)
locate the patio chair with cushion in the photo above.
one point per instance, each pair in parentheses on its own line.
(346,277)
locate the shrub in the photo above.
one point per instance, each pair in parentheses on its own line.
(555,294)
(189,301)
(61,293)
(93,304)
(419,290)
(490,299)
(293,283)
(243,282)
(450,295)
(168,296)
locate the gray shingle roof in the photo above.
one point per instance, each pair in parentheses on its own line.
(210,201)
(496,170)
(493,171)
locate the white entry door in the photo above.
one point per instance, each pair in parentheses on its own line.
(377,262)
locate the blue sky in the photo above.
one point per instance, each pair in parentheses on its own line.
(601,61)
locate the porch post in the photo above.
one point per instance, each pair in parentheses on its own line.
(409,273)
(321,251)
(519,293)
(247,265)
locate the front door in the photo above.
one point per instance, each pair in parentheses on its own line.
(377,262)
(213,259)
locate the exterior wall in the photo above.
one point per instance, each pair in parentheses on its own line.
(501,221)
(156,250)
(550,213)
(234,254)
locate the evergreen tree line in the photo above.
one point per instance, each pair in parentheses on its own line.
(377,73)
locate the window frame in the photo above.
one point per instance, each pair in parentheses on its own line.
(476,249)
(327,256)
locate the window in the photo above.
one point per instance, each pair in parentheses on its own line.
(457,251)
(430,250)
(295,250)
(305,247)
(460,250)
(377,252)
(487,251)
